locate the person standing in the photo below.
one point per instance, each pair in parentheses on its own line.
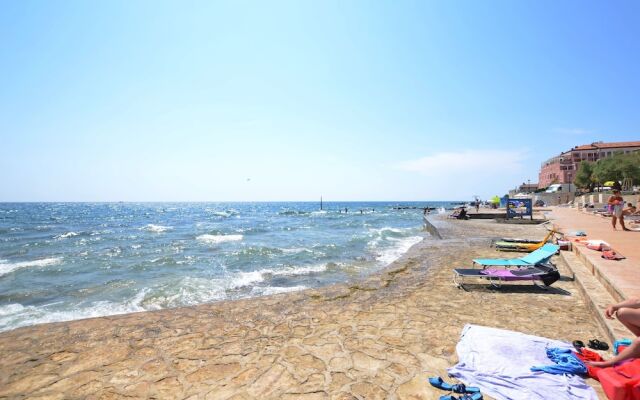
(616,202)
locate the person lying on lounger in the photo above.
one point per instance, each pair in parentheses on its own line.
(627,312)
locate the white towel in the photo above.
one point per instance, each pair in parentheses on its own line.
(499,361)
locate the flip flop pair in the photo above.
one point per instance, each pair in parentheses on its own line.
(468,392)
(598,345)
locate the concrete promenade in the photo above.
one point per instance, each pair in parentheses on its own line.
(620,278)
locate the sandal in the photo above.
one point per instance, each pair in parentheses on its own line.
(461,388)
(437,382)
(598,345)
(469,396)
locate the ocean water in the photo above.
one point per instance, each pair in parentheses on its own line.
(66,261)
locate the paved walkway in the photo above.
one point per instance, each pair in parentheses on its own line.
(621,277)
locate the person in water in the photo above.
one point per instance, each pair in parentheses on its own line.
(616,202)
(628,313)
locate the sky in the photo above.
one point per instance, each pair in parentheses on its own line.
(290,101)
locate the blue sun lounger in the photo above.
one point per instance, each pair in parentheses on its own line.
(541,255)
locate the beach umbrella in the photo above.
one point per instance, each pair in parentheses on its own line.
(495,200)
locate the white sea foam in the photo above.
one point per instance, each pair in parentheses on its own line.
(295,271)
(381,231)
(247,278)
(242,279)
(10,309)
(224,213)
(16,315)
(215,239)
(156,228)
(66,235)
(296,250)
(267,291)
(6,267)
(188,291)
(389,255)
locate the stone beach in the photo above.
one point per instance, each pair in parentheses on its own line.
(380,338)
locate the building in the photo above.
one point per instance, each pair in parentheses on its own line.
(523,189)
(562,168)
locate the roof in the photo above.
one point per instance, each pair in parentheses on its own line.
(602,145)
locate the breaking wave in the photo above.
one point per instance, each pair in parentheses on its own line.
(215,239)
(6,267)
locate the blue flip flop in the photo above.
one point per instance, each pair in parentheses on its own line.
(437,382)
(461,388)
(469,396)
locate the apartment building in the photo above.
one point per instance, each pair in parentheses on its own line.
(562,168)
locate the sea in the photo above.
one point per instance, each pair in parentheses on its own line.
(67,261)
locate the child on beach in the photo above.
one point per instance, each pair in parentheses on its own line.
(616,202)
(628,313)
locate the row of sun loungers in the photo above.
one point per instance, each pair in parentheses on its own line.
(535,267)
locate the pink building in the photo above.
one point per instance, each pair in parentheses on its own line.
(562,168)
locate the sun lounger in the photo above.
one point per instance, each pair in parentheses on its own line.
(541,255)
(546,273)
(521,244)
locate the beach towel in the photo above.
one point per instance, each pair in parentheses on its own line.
(621,382)
(499,361)
(599,245)
(612,255)
(588,355)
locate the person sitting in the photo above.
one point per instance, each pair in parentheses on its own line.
(462,214)
(630,210)
(628,313)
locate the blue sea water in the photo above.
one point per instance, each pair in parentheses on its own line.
(65,261)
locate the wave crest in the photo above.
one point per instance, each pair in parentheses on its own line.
(6,267)
(215,239)
(156,228)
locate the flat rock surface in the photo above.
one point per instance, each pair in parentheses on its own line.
(380,338)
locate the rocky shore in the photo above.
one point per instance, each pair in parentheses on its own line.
(380,338)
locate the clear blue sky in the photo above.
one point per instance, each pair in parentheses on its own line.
(370,100)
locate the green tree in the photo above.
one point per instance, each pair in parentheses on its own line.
(607,169)
(629,166)
(617,168)
(584,179)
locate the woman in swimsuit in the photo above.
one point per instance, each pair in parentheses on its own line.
(617,203)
